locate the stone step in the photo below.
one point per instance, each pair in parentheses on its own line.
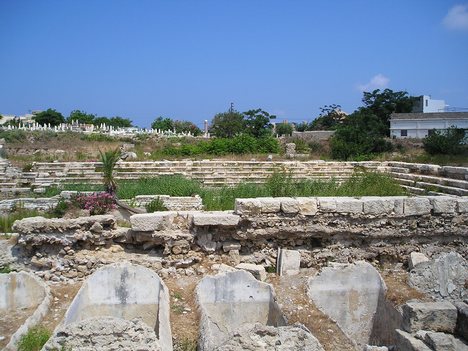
(455,183)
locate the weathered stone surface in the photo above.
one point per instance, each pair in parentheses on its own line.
(378,205)
(257,271)
(349,294)
(54,225)
(270,204)
(127,291)
(443,204)
(147,222)
(348,205)
(462,319)
(231,245)
(442,278)
(215,218)
(248,207)
(289,205)
(230,300)
(375,348)
(327,204)
(107,333)
(407,342)
(415,206)
(434,316)
(462,204)
(288,262)
(416,258)
(443,342)
(260,337)
(307,205)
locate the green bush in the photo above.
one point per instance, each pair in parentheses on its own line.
(155,205)
(446,142)
(34,339)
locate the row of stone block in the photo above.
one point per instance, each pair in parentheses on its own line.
(398,205)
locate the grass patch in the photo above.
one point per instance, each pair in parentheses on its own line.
(34,339)
(7,220)
(5,269)
(278,185)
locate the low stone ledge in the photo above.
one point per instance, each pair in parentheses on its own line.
(156,221)
(215,218)
(54,225)
(416,206)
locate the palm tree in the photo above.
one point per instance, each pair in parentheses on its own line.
(109,160)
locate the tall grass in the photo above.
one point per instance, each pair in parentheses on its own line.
(278,185)
(34,339)
(7,220)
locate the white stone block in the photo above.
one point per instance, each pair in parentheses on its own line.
(415,259)
(416,206)
(443,204)
(248,207)
(288,262)
(270,205)
(289,205)
(348,205)
(307,205)
(215,218)
(147,222)
(378,205)
(257,271)
(327,204)
(462,204)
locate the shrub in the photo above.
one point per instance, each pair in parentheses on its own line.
(284,129)
(61,208)
(447,142)
(155,205)
(97,203)
(34,339)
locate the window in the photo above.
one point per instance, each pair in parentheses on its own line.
(404,132)
(427,101)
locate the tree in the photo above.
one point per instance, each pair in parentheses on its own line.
(383,103)
(284,129)
(101,120)
(330,117)
(448,142)
(81,117)
(120,122)
(162,123)
(109,160)
(227,124)
(257,122)
(361,135)
(187,127)
(49,116)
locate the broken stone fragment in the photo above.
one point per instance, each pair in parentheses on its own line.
(416,258)
(434,316)
(257,271)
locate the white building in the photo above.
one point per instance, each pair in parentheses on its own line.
(419,125)
(426,104)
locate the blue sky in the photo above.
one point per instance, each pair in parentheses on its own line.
(189,59)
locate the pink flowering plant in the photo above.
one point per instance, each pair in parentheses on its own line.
(96,203)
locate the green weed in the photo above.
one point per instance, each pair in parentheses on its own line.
(34,339)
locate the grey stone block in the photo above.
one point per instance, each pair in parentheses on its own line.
(462,319)
(416,206)
(434,316)
(407,342)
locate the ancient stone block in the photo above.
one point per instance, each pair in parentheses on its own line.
(257,271)
(462,319)
(215,218)
(415,259)
(462,204)
(327,204)
(416,206)
(443,204)
(407,342)
(248,207)
(270,205)
(288,262)
(289,205)
(348,205)
(377,205)
(307,205)
(147,222)
(434,316)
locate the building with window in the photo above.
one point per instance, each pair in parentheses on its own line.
(419,125)
(425,104)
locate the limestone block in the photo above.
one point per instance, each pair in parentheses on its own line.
(270,205)
(231,245)
(288,262)
(327,204)
(289,205)
(407,342)
(257,271)
(378,205)
(348,205)
(434,316)
(441,342)
(215,218)
(307,205)
(443,204)
(415,259)
(462,319)
(462,204)
(375,348)
(147,222)
(416,206)
(248,207)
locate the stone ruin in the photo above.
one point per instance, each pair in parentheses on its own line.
(328,232)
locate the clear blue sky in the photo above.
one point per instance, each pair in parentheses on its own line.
(189,59)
